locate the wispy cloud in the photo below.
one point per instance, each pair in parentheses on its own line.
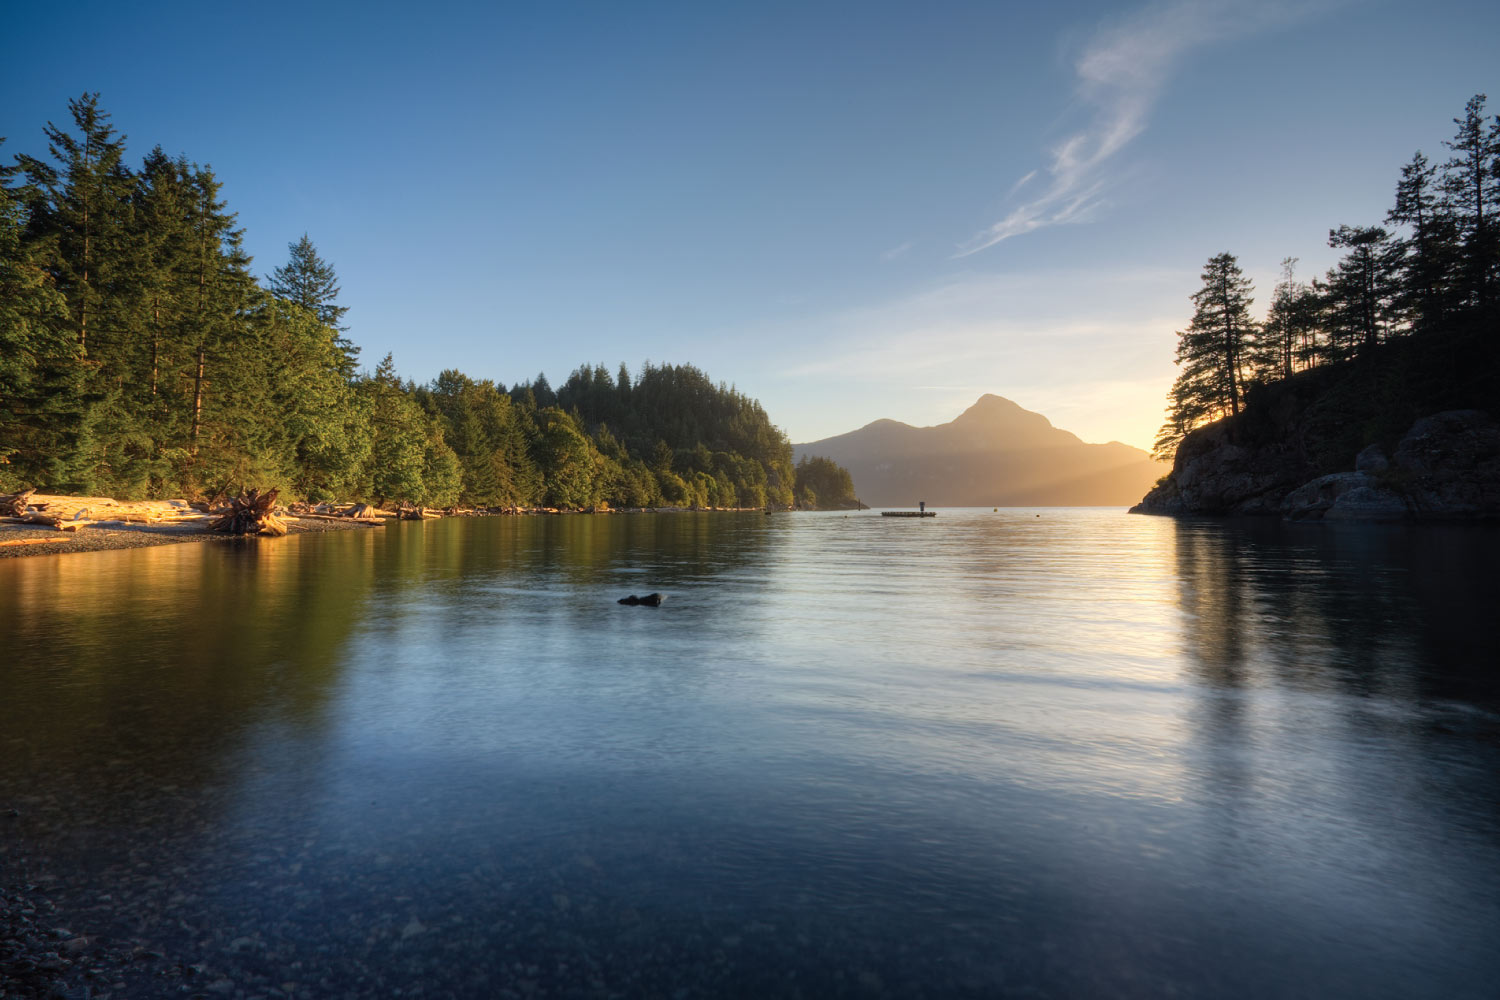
(1120,74)
(897,251)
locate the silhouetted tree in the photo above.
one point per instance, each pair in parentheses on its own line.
(1360,287)
(1211,352)
(1423,259)
(1471,179)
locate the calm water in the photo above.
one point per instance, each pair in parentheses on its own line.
(988,754)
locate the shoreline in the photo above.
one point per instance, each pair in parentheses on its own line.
(21,540)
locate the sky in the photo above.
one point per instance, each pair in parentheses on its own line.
(849,211)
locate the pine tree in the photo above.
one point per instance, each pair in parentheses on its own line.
(309,281)
(1423,259)
(162,261)
(399,443)
(1211,352)
(1471,179)
(1360,288)
(80,206)
(1273,351)
(38,354)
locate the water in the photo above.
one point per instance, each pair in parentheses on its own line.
(1027,752)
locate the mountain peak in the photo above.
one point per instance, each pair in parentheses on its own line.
(995,452)
(997,411)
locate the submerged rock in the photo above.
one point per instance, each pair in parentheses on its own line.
(654,600)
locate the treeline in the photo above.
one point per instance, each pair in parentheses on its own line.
(1431,272)
(140,357)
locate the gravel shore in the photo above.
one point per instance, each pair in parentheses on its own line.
(36,541)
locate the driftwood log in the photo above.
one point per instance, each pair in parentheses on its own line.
(14,504)
(251,513)
(409,512)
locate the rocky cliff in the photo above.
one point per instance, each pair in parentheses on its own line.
(1404,432)
(1445,467)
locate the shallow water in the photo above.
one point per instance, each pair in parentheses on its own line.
(1026,752)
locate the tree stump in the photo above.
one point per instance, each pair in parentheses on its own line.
(251,513)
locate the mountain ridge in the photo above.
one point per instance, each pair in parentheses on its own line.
(994,453)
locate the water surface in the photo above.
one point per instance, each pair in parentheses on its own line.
(1025,752)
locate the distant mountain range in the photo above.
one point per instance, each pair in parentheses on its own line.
(994,454)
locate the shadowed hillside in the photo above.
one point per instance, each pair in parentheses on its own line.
(993,454)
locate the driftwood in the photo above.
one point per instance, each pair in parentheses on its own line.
(47,521)
(14,504)
(251,513)
(369,522)
(408,512)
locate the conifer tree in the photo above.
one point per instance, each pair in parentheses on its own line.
(1359,288)
(309,281)
(79,208)
(1471,180)
(399,439)
(219,292)
(1274,349)
(1211,352)
(162,261)
(1423,259)
(38,354)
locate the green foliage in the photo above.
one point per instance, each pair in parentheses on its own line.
(822,482)
(309,281)
(140,357)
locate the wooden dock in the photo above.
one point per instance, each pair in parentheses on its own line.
(908,513)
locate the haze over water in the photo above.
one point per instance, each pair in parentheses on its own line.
(1027,752)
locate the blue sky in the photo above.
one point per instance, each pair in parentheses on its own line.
(848,210)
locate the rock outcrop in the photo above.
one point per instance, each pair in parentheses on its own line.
(1446,467)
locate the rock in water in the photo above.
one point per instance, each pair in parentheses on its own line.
(654,600)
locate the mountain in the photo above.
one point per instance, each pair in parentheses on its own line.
(994,454)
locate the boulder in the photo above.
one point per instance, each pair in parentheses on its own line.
(1449,465)
(1311,501)
(1368,503)
(1372,460)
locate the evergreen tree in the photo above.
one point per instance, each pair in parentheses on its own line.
(1423,259)
(38,354)
(822,482)
(1211,352)
(162,261)
(399,445)
(1273,351)
(1471,180)
(1360,288)
(79,210)
(566,459)
(307,280)
(219,293)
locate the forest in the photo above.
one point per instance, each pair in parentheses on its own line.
(1407,322)
(141,358)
